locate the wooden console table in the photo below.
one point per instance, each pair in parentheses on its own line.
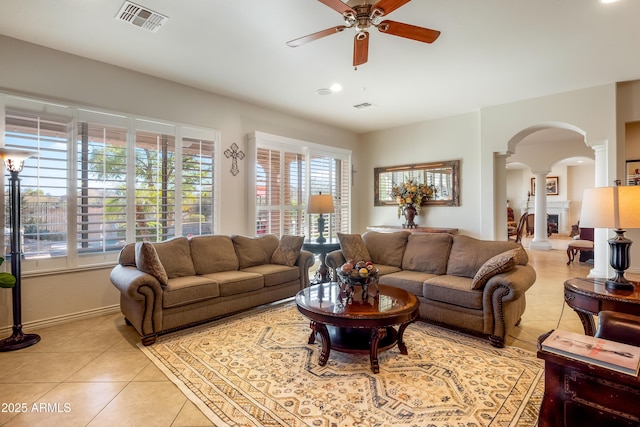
(578,394)
(588,297)
(392,228)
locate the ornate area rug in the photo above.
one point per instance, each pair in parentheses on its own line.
(256,369)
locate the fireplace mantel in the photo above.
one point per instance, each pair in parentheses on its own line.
(560,208)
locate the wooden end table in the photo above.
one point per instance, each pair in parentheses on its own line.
(360,326)
(589,296)
(578,394)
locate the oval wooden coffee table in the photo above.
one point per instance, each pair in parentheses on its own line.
(358,326)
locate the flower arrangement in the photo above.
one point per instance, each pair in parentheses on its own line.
(412,193)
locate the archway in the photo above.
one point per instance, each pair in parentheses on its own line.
(543,148)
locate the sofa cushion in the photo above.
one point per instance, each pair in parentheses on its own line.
(275,274)
(468,254)
(353,247)
(453,290)
(127,255)
(147,260)
(211,254)
(187,290)
(410,281)
(427,252)
(236,282)
(386,248)
(250,251)
(175,255)
(503,262)
(288,250)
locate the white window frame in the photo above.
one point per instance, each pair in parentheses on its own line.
(264,140)
(77,114)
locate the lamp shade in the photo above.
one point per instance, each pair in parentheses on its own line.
(611,207)
(14,158)
(320,204)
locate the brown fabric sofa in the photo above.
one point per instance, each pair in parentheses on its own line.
(465,283)
(184,282)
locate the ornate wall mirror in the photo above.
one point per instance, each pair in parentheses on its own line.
(445,176)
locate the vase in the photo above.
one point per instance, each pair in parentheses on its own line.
(409,214)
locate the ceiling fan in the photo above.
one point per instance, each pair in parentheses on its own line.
(362,15)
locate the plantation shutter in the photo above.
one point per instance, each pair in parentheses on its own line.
(330,175)
(197,185)
(43,181)
(280,181)
(155,163)
(102,186)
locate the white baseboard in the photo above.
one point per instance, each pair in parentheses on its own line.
(66,318)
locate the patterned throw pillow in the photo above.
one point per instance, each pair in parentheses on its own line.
(500,263)
(147,261)
(353,247)
(287,251)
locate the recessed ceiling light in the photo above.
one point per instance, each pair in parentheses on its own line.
(608,1)
(336,87)
(324,91)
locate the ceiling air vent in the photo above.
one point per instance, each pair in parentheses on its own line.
(141,16)
(365,106)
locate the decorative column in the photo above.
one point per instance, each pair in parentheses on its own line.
(540,238)
(601,266)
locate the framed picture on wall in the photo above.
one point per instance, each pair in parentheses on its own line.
(552,186)
(633,172)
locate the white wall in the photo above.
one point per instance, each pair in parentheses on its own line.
(49,74)
(453,138)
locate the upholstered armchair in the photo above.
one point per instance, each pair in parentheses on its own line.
(620,327)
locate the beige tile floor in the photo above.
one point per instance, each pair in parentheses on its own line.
(90,372)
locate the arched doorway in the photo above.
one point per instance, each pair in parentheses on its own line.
(545,153)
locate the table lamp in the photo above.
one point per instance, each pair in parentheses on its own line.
(618,208)
(320,204)
(14,160)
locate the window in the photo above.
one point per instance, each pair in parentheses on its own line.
(100,180)
(330,175)
(286,172)
(43,182)
(102,185)
(279,192)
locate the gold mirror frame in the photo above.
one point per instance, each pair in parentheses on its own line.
(444,175)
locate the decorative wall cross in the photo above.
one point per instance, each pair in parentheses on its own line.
(234,154)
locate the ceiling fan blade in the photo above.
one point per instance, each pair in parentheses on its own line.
(360,48)
(388,6)
(338,6)
(408,31)
(315,36)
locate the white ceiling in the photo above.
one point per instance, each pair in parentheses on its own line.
(490,52)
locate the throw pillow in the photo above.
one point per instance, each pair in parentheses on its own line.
(147,261)
(288,250)
(353,247)
(500,263)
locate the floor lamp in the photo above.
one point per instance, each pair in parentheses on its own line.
(14,160)
(618,208)
(320,204)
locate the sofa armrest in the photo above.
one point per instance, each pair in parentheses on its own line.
(511,284)
(334,260)
(305,261)
(140,299)
(504,299)
(130,281)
